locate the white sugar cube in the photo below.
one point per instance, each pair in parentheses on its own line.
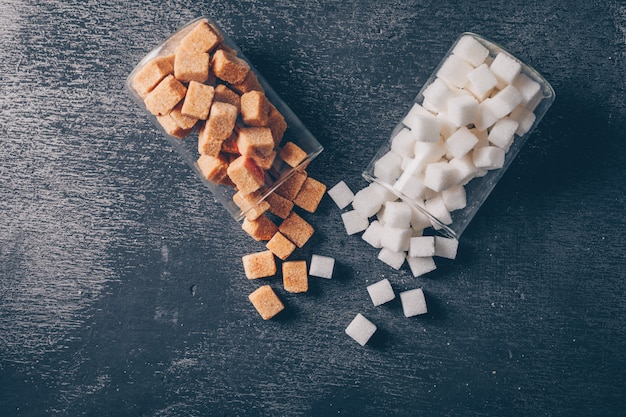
(466,170)
(395,239)
(419,220)
(397,214)
(440,175)
(413,302)
(481,82)
(485,117)
(471,50)
(373,234)
(446,247)
(422,246)
(525,119)
(488,157)
(381,292)
(447,127)
(391,258)
(425,153)
(383,194)
(322,266)
(504,101)
(341,194)
(528,88)
(354,222)
(502,133)
(411,185)
(421,265)
(454,71)
(361,329)
(454,198)
(437,208)
(402,143)
(462,110)
(438,94)
(415,110)
(388,167)
(505,68)
(425,128)
(460,142)
(366,202)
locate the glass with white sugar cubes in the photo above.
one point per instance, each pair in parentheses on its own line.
(200,65)
(466,125)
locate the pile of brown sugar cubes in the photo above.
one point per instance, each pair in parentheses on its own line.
(205,87)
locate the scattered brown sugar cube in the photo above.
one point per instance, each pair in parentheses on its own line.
(295,278)
(191,65)
(229,67)
(292,154)
(198,100)
(165,96)
(207,144)
(185,122)
(213,169)
(255,108)
(276,123)
(230,145)
(226,95)
(250,204)
(290,188)
(202,38)
(244,173)
(221,121)
(148,76)
(279,205)
(259,265)
(265,161)
(296,229)
(255,141)
(266,302)
(250,83)
(171,127)
(310,195)
(280,246)
(260,229)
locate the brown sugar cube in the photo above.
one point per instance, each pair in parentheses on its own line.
(250,83)
(259,265)
(190,65)
(266,302)
(207,144)
(148,76)
(230,145)
(185,122)
(280,246)
(296,229)
(202,38)
(290,188)
(310,195)
(255,141)
(279,205)
(295,278)
(198,100)
(226,95)
(165,96)
(261,229)
(250,204)
(265,161)
(292,154)
(244,173)
(171,127)
(229,67)
(276,123)
(255,108)
(214,169)
(221,121)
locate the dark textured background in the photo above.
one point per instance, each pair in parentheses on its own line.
(121,286)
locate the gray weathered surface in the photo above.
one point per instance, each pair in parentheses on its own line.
(121,288)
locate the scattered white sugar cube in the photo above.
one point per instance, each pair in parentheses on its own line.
(373,234)
(454,198)
(466,170)
(395,239)
(354,222)
(440,175)
(437,208)
(471,50)
(462,110)
(481,82)
(402,143)
(421,265)
(381,292)
(388,167)
(341,194)
(413,302)
(438,94)
(361,329)
(454,71)
(485,117)
(322,266)
(501,134)
(411,185)
(422,246)
(397,214)
(528,88)
(505,68)
(419,220)
(391,258)
(488,157)
(461,142)
(504,102)
(446,247)
(367,201)
(525,119)
(425,128)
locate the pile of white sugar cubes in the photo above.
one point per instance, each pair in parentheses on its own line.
(461,126)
